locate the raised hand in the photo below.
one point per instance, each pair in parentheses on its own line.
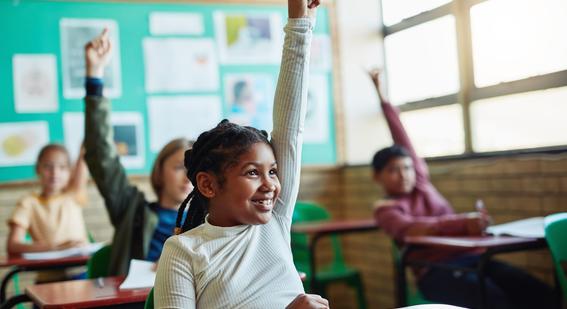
(308,301)
(97,54)
(302,8)
(375,77)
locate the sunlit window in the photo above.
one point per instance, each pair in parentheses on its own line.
(436,131)
(525,120)
(422,61)
(396,10)
(515,39)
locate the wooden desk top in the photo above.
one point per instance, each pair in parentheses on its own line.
(18,260)
(482,242)
(84,293)
(342,226)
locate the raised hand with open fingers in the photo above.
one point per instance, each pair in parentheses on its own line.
(302,8)
(97,54)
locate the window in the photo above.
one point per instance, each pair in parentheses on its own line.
(478,75)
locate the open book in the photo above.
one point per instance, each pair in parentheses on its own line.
(141,274)
(531,228)
(59,254)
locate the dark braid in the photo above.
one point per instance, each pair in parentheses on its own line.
(214,151)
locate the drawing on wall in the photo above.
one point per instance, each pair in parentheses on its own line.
(20,142)
(75,33)
(250,99)
(180,65)
(320,60)
(249,37)
(128,136)
(317,118)
(35,83)
(175,23)
(181,116)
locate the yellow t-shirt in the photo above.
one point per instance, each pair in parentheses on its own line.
(54,220)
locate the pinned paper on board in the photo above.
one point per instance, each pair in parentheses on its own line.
(317,117)
(175,23)
(20,142)
(35,83)
(180,65)
(181,116)
(320,60)
(250,99)
(75,34)
(128,136)
(249,37)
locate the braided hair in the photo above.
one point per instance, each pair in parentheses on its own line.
(214,151)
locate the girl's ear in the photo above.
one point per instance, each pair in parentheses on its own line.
(206,184)
(377,177)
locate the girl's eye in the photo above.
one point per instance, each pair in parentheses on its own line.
(252,173)
(273,171)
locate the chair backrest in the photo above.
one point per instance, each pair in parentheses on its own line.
(556,236)
(149,304)
(97,265)
(311,212)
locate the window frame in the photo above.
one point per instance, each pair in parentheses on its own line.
(468,92)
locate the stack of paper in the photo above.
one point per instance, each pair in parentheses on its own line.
(59,254)
(531,228)
(141,274)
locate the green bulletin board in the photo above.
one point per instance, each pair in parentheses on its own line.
(34,28)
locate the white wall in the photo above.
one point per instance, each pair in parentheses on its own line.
(360,49)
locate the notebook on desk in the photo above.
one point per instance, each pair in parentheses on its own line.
(531,228)
(141,274)
(60,254)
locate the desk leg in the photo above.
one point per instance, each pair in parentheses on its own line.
(312,264)
(482,279)
(5,281)
(401,280)
(13,301)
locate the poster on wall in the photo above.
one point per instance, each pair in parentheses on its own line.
(176,23)
(35,83)
(317,117)
(181,116)
(320,60)
(128,136)
(249,37)
(250,99)
(180,65)
(75,34)
(20,142)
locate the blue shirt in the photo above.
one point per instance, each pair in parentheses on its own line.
(164,229)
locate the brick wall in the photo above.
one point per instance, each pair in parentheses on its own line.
(512,188)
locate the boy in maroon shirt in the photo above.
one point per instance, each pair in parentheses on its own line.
(413,206)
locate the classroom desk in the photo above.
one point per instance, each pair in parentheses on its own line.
(490,244)
(19,264)
(316,230)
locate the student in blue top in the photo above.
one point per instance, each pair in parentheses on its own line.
(141,226)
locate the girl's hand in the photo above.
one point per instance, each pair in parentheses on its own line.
(477,223)
(97,54)
(302,8)
(308,301)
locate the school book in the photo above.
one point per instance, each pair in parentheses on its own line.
(141,274)
(59,254)
(530,228)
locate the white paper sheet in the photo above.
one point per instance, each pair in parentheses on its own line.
(35,83)
(254,38)
(320,60)
(317,118)
(59,254)
(75,34)
(128,136)
(181,116)
(20,142)
(532,228)
(141,274)
(173,23)
(180,65)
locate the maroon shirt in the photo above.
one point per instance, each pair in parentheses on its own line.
(423,208)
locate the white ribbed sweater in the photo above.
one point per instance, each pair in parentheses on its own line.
(248,266)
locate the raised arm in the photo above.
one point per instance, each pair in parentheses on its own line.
(101,156)
(397,130)
(79,177)
(290,104)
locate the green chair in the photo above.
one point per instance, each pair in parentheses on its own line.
(336,270)
(413,295)
(150,300)
(556,236)
(97,265)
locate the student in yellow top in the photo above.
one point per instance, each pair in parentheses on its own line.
(53,217)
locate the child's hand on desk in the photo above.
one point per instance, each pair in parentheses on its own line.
(308,301)
(69,244)
(477,222)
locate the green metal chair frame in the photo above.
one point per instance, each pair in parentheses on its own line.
(336,270)
(97,265)
(556,236)
(149,304)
